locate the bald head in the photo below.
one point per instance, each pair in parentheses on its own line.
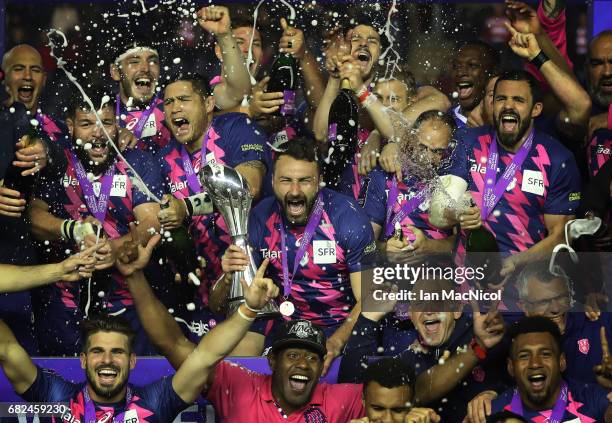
(24,75)
(599,69)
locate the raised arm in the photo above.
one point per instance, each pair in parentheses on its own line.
(161,328)
(236,82)
(17,365)
(575,102)
(198,369)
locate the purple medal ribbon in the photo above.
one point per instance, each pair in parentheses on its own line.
(144,117)
(90,409)
(97,206)
(313,221)
(407,208)
(493,191)
(558,411)
(190,174)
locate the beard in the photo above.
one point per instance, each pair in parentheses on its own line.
(96,168)
(303,217)
(137,100)
(599,98)
(106,392)
(509,140)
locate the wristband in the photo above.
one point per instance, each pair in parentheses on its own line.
(245,317)
(251,309)
(540,59)
(362,94)
(67,229)
(610,116)
(479,352)
(198,204)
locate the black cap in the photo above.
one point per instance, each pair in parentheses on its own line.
(301,334)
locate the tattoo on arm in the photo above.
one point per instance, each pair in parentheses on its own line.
(254,163)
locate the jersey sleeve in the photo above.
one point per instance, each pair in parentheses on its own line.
(50,387)
(162,400)
(376,198)
(356,237)
(564,188)
(350,395)
(248,142)
(148,168)
(594,400)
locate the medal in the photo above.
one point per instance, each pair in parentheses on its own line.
(287,308)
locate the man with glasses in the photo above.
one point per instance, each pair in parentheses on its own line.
(542,293)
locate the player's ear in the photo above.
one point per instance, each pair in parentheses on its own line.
(510,367)
(115,72)
(209,103)
(537,109)
(132,361)
(70,125)
(83,360)
(218,53)
(562,362)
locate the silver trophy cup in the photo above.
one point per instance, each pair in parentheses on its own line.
(230,194)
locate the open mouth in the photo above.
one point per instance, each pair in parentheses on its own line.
(99,149)
(537,381)
(296,207)
(432,326)
(182,126)
(25,93)
(465,89)
(107,375)
(363,56)
(509,122)
(606,85)
(143,85)
(298,383)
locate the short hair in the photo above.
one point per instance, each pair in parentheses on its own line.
(534,324)
(502,416)
(521,75)
(390,372)
(605,33)
(198,82)
(106,323)
(300,148)
(435,115)
(540,271)
(490,53)
(97,97)
(242,21)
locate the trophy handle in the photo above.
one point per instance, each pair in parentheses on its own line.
(236,294)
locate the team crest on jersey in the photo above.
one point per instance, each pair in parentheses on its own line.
(584,346)
(314,415)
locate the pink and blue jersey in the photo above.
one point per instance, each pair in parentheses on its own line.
(55,129)
(599,150)
(378,185)
(587,403)
(155,135)
(66,201)
(342,244)
(156,402)
(232,140)
(548,182)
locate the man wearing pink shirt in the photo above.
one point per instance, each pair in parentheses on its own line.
(291,394)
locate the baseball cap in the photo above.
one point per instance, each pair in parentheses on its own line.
(301,334)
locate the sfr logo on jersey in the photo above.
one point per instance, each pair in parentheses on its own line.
(533,182)
(324,252)
(149,129)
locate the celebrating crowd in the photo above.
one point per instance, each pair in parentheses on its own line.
(115,241)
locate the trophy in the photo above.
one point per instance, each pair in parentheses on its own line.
(230,194)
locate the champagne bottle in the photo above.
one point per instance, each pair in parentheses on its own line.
(284,78)
(483,252)
(13,178)
(179,249)
(342,134)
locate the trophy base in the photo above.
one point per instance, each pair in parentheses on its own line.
(270,311)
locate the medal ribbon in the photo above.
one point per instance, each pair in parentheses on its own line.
(558,411)
(96,206)
(144,117)
(90,408)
